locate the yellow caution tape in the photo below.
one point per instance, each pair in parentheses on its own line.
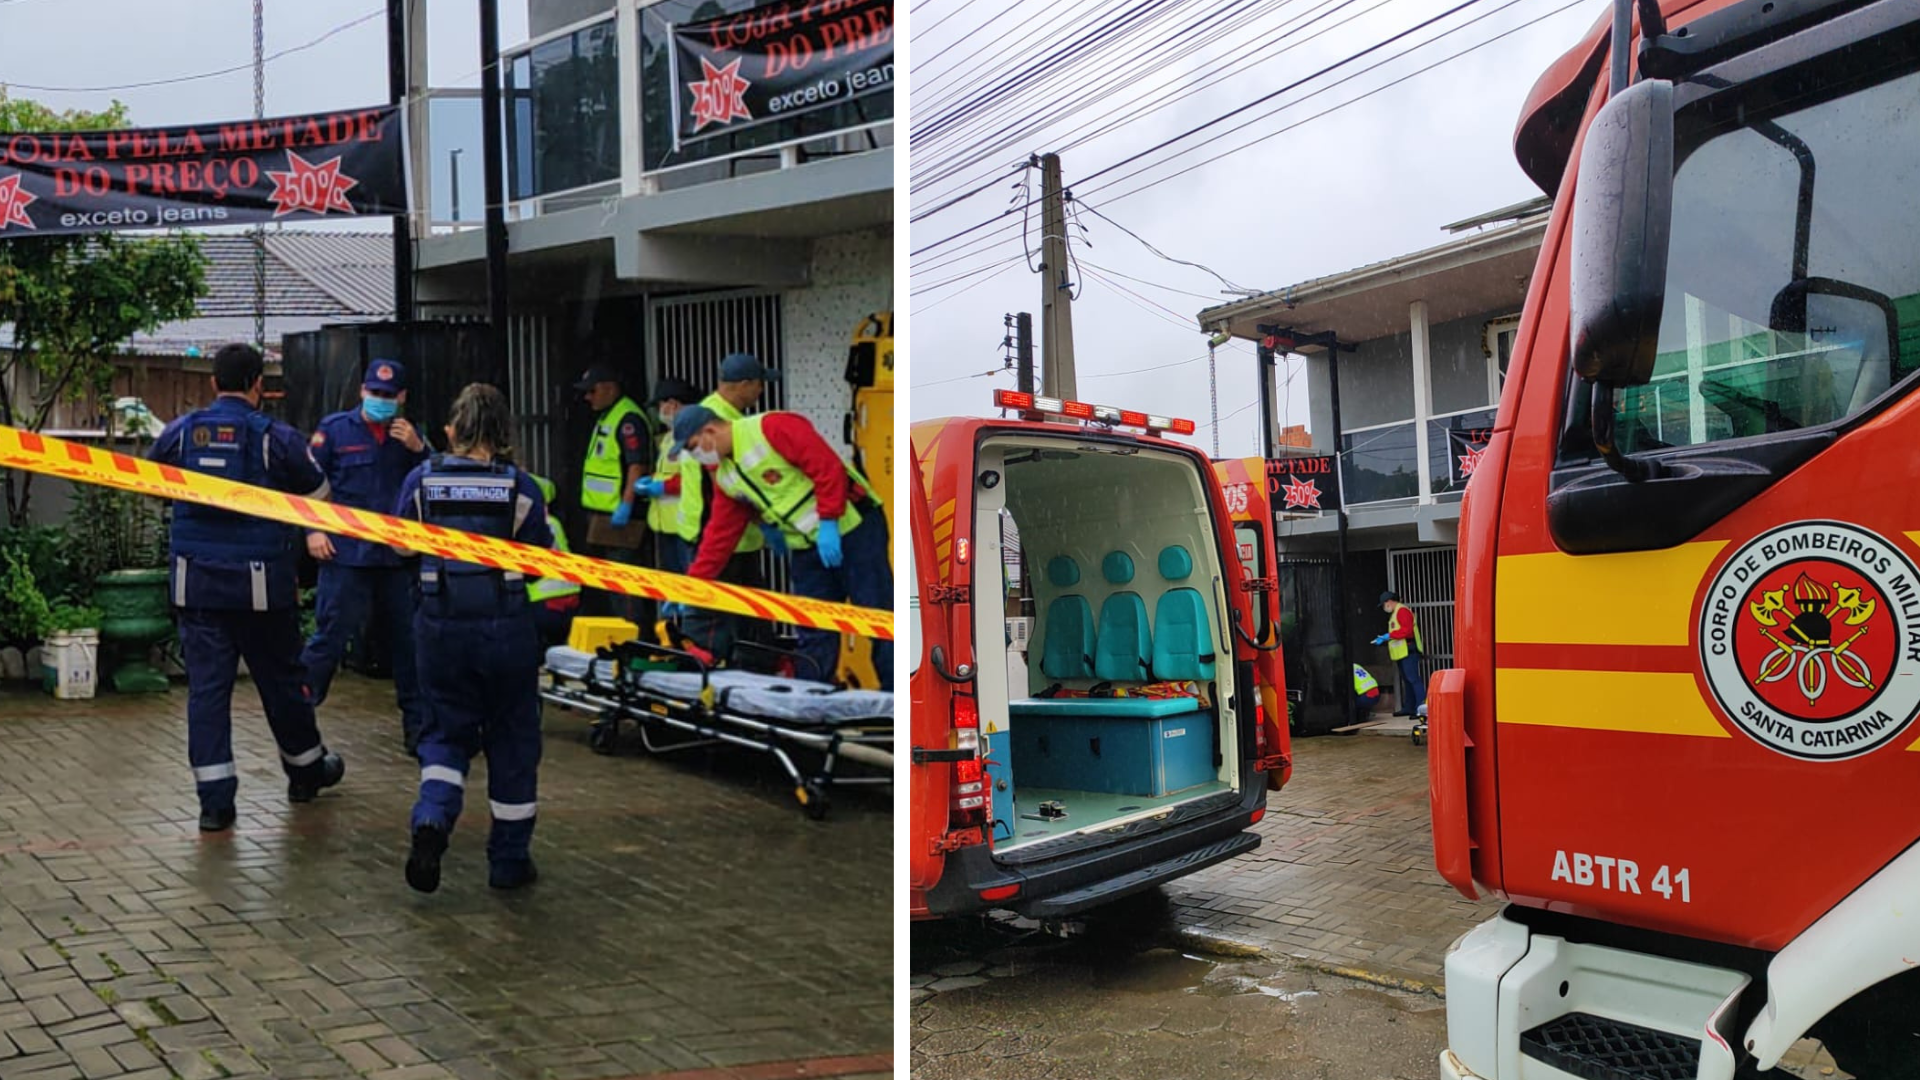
(83,464)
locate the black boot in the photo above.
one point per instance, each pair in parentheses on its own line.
(329,770)
(216,820)
(423,861)
(512,873)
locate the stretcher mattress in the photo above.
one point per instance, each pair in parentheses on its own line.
(798,702)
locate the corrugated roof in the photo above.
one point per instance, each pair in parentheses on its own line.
(328,274)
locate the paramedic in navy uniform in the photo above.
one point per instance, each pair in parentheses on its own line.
(366,453)
(232,579)
(479,648)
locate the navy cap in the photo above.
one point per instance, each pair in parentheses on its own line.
(594,376)
(1389,595)
(388,376)
(675,390)
(688,422)
(740,367)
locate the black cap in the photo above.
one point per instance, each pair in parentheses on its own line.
(742,367)
(1389,595)
(594,376)
(688,422)
(675,390)
(237,367)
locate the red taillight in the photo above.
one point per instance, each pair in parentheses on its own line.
(1260,730)
(969,803)
(1254,818)
(1000,892)
(1012,399)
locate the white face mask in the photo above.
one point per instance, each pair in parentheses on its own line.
(704,456)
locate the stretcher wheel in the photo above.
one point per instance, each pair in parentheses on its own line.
(602,737)
(813,799)
(1420,736)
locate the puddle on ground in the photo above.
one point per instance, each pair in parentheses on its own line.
(1154,971)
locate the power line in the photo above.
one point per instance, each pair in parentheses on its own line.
(957,278)
(1144,281)
(342,28)
(919,308)
(1095,211)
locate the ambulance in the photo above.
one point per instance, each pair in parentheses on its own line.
(1681,739)
(1095,659)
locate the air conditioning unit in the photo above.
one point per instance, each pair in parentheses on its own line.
(1019,632)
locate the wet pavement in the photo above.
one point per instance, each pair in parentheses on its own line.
(689,922)
(1003,999)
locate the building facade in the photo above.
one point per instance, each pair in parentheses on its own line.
(1423,342)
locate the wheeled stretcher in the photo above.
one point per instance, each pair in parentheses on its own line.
(670,691)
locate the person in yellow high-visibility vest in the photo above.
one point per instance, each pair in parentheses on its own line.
(1403,643)
(776,468)
(619,453)
(555,601)
(662,490)
(743,379)
(1366,693)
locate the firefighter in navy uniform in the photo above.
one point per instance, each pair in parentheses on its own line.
(366,452)
(479,650)
(233,587)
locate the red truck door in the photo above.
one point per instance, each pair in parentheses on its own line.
(932,701)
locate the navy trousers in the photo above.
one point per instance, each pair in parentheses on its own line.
(1413,691)
(213,643)
(481,678)
(865,577)
(345,596)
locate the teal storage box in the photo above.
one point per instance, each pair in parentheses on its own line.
(1115,755)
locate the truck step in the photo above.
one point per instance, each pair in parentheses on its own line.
(1600,1049)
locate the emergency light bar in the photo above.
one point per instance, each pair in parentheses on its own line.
(1080,410)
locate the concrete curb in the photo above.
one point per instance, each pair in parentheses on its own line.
(1203,941)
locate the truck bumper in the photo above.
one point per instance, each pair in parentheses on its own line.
(1523,1005)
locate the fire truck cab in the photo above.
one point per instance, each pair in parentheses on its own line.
(1680,741)
(1094,659)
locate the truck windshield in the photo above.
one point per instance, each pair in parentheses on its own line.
(1793,288)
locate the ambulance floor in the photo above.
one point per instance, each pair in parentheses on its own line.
(688,919)
(1087,807)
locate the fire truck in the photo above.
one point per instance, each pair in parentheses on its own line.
(1681,734)
(1094,639)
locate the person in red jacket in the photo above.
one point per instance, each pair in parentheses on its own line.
(775,468)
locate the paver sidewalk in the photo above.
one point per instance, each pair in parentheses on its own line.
(688,922)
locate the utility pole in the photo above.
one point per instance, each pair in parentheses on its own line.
(397,95)
(1023,351)
(492,161)
(1056,287)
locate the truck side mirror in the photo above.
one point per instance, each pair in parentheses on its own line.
(1622,218)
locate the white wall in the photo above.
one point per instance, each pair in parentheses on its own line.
(852,278)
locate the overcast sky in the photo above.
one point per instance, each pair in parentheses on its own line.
(98,43)
(1369,181)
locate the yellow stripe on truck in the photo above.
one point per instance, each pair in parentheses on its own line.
(1632,598)
(1654,702)
(83,464)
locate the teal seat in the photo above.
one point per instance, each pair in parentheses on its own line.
(1182,635)
(1123,647)
(1135,707)
(1067,651)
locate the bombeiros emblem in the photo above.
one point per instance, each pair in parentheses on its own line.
(1810,640)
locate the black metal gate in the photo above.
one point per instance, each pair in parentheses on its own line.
(1310,643)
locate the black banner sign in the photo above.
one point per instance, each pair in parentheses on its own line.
(1303,485)
(1464,447)
(296,168)
(778,60)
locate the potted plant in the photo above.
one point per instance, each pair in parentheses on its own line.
(68,660)
(25,614)
(123,553)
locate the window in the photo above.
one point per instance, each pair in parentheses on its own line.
(1454,444)
(1379,463)
(1501,334)
(563,115)
(1785,310)
(1250,545)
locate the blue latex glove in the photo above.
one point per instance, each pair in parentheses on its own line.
(829,544)
(1382,639)
(651,487)
(673,610)
(776,540)
(622,514)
